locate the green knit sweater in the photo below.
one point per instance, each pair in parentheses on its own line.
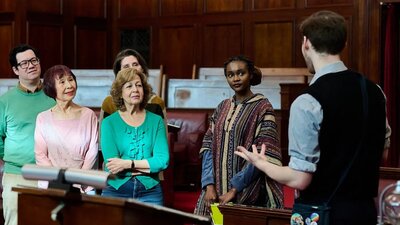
(147,141)
(18,111)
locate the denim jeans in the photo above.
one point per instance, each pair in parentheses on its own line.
(134,189)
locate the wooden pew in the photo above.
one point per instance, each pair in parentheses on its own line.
(240,214)
(6,84)
(155,76)
(94,85)
(91,90)
(211,87)
(287,75)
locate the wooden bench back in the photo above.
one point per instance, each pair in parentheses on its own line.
(296,74)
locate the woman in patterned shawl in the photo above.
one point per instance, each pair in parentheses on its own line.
(242,120)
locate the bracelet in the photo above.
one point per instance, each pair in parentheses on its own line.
(133,164)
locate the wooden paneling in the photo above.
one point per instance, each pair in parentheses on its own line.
(346,53)
(273,44)
(318,3)
(224,5)
(176,50)
(44,6)
(203,47)
(89,8)
(374,52)
(220,43)
(137,8)
(6,43)
(273,4)
(48,40)
(178,7)
(90,49)
(298,40)
(7,5)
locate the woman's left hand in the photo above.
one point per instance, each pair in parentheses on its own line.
(227,197)
(116,165)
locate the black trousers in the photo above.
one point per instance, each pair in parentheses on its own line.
(353,212)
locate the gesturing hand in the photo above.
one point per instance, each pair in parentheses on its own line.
(254,156)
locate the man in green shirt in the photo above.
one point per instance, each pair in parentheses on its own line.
(18,110)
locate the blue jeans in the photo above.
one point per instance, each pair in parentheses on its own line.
(134,189)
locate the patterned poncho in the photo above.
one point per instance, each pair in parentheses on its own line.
(249,122)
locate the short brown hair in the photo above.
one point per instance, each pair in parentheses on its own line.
(124,76)
(326,30)
(50,76)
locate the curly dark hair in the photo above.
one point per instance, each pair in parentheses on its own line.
(254,71)
(122,78)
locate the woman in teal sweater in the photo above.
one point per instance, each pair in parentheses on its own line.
(134,141)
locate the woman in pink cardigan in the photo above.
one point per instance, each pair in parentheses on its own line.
(66,135)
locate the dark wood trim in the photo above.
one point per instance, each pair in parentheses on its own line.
(7,17)
(388,1)
(240,214)
(389,173)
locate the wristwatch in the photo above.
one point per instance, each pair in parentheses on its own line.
(133,164)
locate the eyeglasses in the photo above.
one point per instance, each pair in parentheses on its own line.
(25,63)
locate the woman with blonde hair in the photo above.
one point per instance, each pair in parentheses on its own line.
(134,141)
